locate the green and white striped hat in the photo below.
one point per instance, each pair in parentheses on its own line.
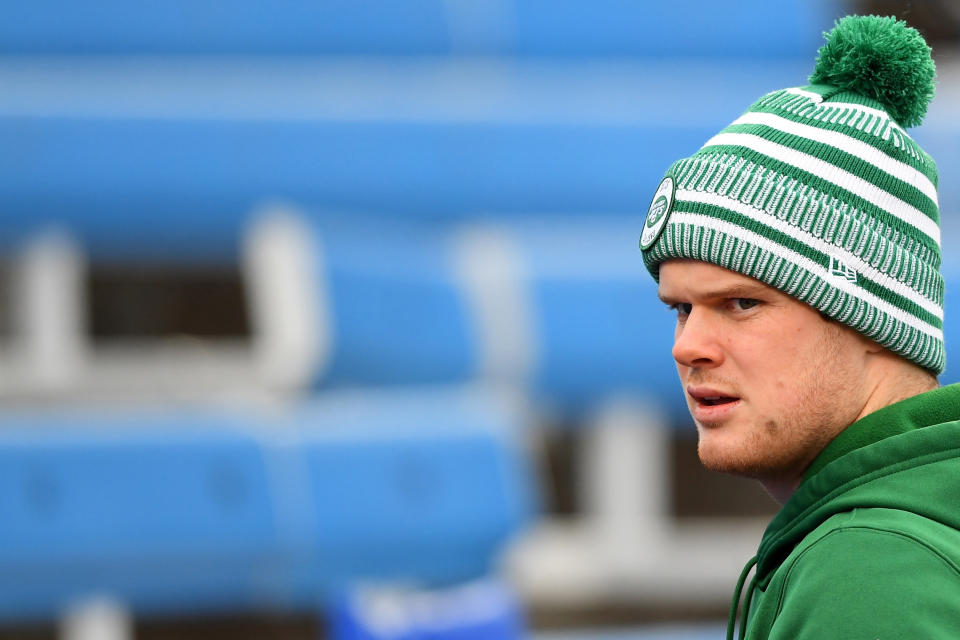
(819,192)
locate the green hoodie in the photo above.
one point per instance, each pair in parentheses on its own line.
(869,545)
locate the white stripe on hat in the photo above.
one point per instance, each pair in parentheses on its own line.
(851,145)
(840,177)
(810,95)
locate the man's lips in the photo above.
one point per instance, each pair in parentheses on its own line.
(712,405)
(710,396)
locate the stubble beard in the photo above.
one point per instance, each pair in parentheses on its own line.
(780,447)
(774,450)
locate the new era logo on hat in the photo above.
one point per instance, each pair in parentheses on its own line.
(841,270)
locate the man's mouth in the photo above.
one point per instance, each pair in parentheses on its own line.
(712,405)
(711,396)
(712,401)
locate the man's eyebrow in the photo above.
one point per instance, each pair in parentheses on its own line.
(664,298)
(734,291)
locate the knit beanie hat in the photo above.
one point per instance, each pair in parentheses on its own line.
(819,192)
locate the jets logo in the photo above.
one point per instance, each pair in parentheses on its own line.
(657,210)
(658,213)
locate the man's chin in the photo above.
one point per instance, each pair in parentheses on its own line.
(730,458)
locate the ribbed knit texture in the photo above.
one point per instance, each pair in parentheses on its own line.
(818,192)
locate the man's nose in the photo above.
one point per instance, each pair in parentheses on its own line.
(696,343)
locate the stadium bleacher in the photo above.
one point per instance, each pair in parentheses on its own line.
(220,510)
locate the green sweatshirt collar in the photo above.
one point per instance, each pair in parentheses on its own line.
(932,407)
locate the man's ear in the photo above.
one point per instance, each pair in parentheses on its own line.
(870,347)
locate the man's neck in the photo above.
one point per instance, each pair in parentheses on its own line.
(781,490)
(893,380)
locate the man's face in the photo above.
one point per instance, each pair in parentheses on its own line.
(769,381)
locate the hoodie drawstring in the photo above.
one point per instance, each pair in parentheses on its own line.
(746,608)
(732,620)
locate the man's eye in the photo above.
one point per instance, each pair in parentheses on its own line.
(745,303)
(682,308)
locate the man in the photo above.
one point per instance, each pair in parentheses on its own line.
(800,250)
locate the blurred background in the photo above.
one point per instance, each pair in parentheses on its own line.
(327,319)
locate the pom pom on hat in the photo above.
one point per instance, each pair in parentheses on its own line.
(880,58)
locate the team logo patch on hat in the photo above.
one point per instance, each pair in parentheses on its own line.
(658,213)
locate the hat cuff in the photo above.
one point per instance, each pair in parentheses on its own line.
(831,288)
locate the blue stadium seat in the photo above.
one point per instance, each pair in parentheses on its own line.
(181,189)
(210,511)
(431,486)
(398,315)
(163,510)
(419,27)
